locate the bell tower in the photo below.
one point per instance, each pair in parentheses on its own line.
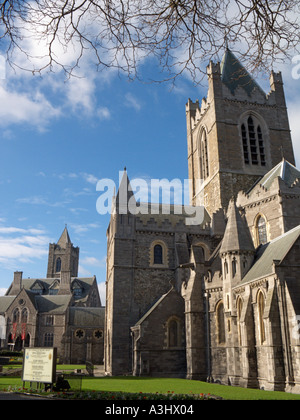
(63,257)
(236,135)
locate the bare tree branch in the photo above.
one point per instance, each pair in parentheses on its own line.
(181,34)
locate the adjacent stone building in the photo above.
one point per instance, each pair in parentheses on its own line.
(218,300)
(61,310)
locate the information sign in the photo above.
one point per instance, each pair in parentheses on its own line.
(39,364)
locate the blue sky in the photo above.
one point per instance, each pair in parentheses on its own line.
(59,136)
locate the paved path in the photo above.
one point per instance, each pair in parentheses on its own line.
(19,397)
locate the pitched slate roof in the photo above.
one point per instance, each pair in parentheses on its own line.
(234,74)
(5,302)
(65,238)
(284,170)
(52,304)
(45,283)
(155,305)
(266,254)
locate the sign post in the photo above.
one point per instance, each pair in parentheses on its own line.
(39,365)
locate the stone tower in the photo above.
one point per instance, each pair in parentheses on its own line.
(236,135)
(119,311)
(63,257)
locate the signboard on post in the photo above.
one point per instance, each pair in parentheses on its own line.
(39,364)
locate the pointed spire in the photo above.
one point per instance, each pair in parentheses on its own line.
(234,74)
(65,238)
(237,236)
(124,194)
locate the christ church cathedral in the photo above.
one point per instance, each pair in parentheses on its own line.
(217,301)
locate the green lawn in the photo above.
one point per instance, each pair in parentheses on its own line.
(165,385)
(181,386)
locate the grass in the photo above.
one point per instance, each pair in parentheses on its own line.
(164,386)
(181,386)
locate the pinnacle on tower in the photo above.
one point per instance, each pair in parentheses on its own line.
(237,236)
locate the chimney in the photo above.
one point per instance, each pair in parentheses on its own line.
(17,283)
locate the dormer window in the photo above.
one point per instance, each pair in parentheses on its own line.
(37,288)
(53,289)
(77,292)
(77,289)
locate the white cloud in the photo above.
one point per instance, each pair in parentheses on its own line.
(79,229)
(83,272)
(94,261)
(19,245)
(17,107)
(132,102)
(13,229)
(40,200)
(80,94)
(294,112)
(91,179)
(102,292)
(103,113)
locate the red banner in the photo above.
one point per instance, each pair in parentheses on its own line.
(23,331)
(13,336)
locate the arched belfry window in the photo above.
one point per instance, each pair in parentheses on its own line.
(204,167)
(261,230)
(253,142)
(58,265)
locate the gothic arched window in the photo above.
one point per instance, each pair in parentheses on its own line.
(253,142)
(261,324)
(220,323)
(58,265)
(225,269)
(16,315)
(239,306)
(24,316)
(204,168)
(261,230)
(173,333)
(233,263)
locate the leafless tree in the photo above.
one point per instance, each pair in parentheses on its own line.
(183,35)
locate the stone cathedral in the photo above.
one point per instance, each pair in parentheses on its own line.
(217,301)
